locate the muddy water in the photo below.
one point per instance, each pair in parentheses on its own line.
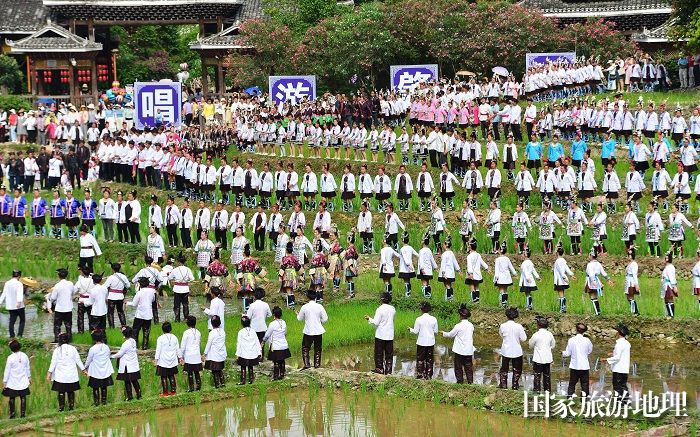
(39,324)
(672,369)
(302,413)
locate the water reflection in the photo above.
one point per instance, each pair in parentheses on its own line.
(303,413)
(671,370)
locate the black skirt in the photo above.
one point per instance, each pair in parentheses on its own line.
(39,221)
(526,289)
(279,355)
(425,277)
(129,376)
(214,365)
(57,221)
(382,196)
(384,275)
(65,387)
(328,194)
(99,383)
(348,195)
(192,367)
(561,287)
(443,280)
(166,371)
(247,362)
(473,281)
(11,393)
(73,222)
(407,275)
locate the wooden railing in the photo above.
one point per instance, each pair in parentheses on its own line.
(77,101)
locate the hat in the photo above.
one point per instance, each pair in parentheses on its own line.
(622,330)
(29,282)
(91,106)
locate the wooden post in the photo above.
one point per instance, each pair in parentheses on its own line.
(220,85)
(29,74)
(91,30)
(93,77)
(71,83)
(205,76)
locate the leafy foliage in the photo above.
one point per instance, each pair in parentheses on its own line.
(299,15)
(8,101)
(10,74)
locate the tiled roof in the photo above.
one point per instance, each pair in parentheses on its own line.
(53,38)
(657,34)
(251,9)
(22,16)
(227,39)
(598,8)
(625,23)
(150,11)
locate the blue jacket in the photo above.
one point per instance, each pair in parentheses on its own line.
(72,206)
(578,148)
(38,209)
(533,151)
(87,209)
(555,151)
(5,203)
(19,208)
(58,208)
(608,148)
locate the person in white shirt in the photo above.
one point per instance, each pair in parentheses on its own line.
(364,227)
(528,274)
(347,188)
(386,263)
(611,187)
(669,286)
(190,353)
(578,348)
(512,334)
(447,181)
(99,368)
(97,303)
(502,273)
(406,269)
(215,351)
(258,312)
(276,337)
(143,302)
(425,327)
(166,360)
(542,342)
(619,362)
(696,277)
(62,295)
(180,278)
(13,296)
(562,276)
(448,268)
(383,321)
(575,219)
(16,379)
(314,316)
(89,248)
(63,373)
(309,187)
(129,369)
(594,285)
(107,210)
(463,346)
(424,186)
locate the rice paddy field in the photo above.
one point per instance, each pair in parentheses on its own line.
(268,408)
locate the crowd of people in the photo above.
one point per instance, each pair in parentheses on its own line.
(255,337)
(436,131)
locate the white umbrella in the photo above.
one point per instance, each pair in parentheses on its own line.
(501,71)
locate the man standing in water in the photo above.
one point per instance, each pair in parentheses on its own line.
(383,320)
(619,361)
(578,348)
(314,316)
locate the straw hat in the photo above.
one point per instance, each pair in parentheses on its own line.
(29,282)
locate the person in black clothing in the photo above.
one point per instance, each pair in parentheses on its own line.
(42,161)
(72,165)
(83,154)
(15,172)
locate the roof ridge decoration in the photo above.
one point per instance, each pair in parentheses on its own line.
(53,38)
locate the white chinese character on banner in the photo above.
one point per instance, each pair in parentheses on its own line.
(408,80)
(160,99)
(538,406)
(292,92)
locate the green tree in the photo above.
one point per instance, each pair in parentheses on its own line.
(10,75)
(299,15)
(686,14)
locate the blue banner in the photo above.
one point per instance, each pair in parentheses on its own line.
(157,103)
(534,59)
(405,77)
(292,89)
